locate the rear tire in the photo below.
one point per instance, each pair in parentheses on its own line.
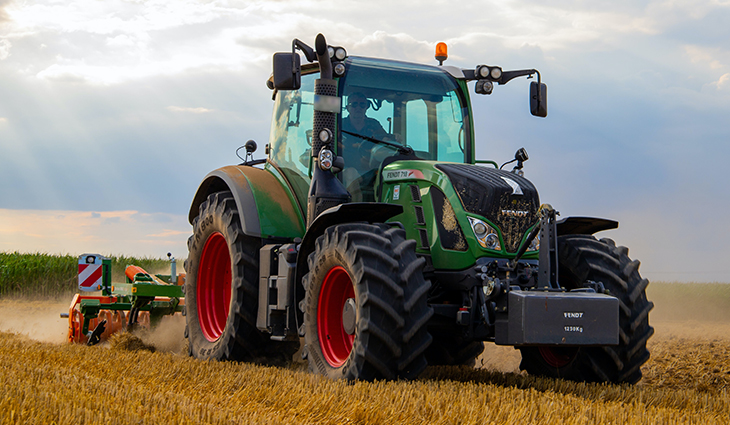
(365,308)
(221,292)
(583,258)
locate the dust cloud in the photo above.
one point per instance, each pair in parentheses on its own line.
(40,320)
(167,336)
(693,311)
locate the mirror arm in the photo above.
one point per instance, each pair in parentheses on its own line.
(308,51)
(509,75)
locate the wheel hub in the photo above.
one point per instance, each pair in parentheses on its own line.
(214,287)
(336,298)
(558,357)
(349,313)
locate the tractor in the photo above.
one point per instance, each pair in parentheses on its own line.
(372,242)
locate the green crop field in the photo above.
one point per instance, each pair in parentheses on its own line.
(45,275)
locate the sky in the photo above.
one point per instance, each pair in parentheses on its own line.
(112,112)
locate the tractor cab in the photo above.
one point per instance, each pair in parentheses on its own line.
(385,107)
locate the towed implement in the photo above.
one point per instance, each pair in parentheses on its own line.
(141,301)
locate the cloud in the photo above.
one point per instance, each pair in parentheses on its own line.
(724,82)
(3,13)
(4,49)
(114,16)
(167,233)
(75,232)
(189,110)
(705,56)
(116,41)
(399,45)
(128,40)
(63,74)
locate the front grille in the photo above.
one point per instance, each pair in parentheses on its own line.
(488,193)
(450,233)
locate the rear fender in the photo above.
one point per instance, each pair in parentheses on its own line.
(266,205)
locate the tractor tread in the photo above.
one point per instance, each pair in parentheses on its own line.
(240,339)
(391,335)
(383,305)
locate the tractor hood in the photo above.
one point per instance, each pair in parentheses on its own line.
(504,198)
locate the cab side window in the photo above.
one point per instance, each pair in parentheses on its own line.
(291,135)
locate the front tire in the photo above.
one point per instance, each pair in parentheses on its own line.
(221,292)
(365,307)
(582,258)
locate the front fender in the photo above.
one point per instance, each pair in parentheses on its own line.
(371,212)
(266,205)
(584,225)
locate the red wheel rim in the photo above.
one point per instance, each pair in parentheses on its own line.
(336,289)
(558,357)
(214,287)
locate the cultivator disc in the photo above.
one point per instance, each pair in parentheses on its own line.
(116,320)
(142,301)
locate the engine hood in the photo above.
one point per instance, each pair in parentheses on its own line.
(509,201)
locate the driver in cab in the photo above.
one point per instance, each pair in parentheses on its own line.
(358,153)
(358,122)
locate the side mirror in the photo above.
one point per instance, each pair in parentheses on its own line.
(287,71)
(538,99)
(520,155)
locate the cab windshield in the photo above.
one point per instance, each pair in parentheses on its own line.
(385,104)
(398,103)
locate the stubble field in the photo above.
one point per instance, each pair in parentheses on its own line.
(44,380)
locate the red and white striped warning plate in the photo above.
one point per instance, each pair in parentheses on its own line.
(90,272)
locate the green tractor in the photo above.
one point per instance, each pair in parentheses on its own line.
(374,242)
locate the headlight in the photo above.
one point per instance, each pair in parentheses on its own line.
(485,234)
(325,159)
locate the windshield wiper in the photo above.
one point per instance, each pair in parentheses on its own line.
(405,150)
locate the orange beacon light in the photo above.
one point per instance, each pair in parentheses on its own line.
(441,53)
